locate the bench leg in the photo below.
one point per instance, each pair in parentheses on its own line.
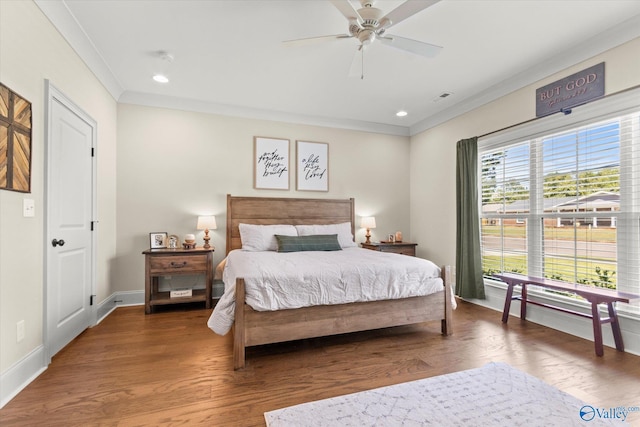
(523,302)
(597,328)
(507,303)
(615,327)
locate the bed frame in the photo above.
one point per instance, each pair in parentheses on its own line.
(265,327)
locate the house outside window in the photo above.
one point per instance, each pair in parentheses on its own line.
(563,201)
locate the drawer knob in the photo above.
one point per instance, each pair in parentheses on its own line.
(178,264)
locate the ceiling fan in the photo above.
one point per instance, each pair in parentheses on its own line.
(369,24)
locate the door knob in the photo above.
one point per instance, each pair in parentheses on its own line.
(56,242)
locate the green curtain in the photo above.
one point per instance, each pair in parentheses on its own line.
(469,282)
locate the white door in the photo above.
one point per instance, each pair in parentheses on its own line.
(69,213)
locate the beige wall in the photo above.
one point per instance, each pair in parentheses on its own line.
(31,50)
(174,165)
(433,152)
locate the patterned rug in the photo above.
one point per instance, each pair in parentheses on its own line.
(493,395)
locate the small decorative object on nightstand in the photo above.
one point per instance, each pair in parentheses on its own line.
(189,241)
(207,223)
(403,248)
(368,222)
(174,241)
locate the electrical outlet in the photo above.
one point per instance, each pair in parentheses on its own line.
(20,331)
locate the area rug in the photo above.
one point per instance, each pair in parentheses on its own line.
(493,395)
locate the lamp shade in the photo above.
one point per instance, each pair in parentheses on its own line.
(368,222)
(207,222)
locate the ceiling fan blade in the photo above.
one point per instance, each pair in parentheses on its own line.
(316,40)
(410,45)
(406,10)
(346,8)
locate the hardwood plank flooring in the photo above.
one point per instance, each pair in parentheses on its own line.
(168,368)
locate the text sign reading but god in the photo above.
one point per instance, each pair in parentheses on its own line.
(571,91)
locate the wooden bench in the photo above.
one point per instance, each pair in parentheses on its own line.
(594,295)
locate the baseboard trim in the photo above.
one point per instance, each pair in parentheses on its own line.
(106,307)
(127,298)
(21,374)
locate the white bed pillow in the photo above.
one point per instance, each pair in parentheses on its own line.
(262,237)
(343,230)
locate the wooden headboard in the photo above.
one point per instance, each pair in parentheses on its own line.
(281,210)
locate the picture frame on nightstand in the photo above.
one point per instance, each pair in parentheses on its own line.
(158,240)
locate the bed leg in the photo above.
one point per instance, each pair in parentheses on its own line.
(447,278)
(238,327)
(238,357)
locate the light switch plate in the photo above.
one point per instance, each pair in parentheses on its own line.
(28,208)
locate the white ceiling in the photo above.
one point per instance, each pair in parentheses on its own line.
(230,59)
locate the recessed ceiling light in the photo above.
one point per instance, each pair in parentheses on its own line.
(160,78)
(401,113)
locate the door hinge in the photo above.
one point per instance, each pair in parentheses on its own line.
(91,299)
(92,222)
(93,152)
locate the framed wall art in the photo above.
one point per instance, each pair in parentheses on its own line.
(15,141)
(158,240)
(312,166)
(271,163)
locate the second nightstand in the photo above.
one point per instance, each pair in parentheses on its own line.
(404,248)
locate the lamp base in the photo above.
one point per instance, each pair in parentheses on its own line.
(206,239)
(368,236)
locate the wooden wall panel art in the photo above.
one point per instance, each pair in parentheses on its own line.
(15,141)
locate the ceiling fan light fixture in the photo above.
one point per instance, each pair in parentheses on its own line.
(366,36)
(160,78)
(401,113)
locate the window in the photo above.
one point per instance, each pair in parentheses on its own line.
(561,198)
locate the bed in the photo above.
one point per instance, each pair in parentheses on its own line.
(253,327)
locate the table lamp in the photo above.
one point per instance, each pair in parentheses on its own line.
(368,222)
(205,223)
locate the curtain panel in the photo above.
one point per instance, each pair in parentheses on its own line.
(469,281)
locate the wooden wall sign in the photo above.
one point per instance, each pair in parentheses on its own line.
(15,141)
(577,89)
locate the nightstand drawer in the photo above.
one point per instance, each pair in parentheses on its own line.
(403,250)
(178,264)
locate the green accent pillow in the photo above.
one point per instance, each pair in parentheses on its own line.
(316,242)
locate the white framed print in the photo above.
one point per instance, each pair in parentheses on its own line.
(312,166)
(271,163)
(158,240)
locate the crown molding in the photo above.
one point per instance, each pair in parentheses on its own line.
(63,20)
(184,104)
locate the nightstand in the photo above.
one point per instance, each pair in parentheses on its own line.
(172,262)
(403,248)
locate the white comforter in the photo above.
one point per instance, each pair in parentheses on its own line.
(276,281)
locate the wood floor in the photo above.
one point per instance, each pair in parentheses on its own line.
(168,368)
